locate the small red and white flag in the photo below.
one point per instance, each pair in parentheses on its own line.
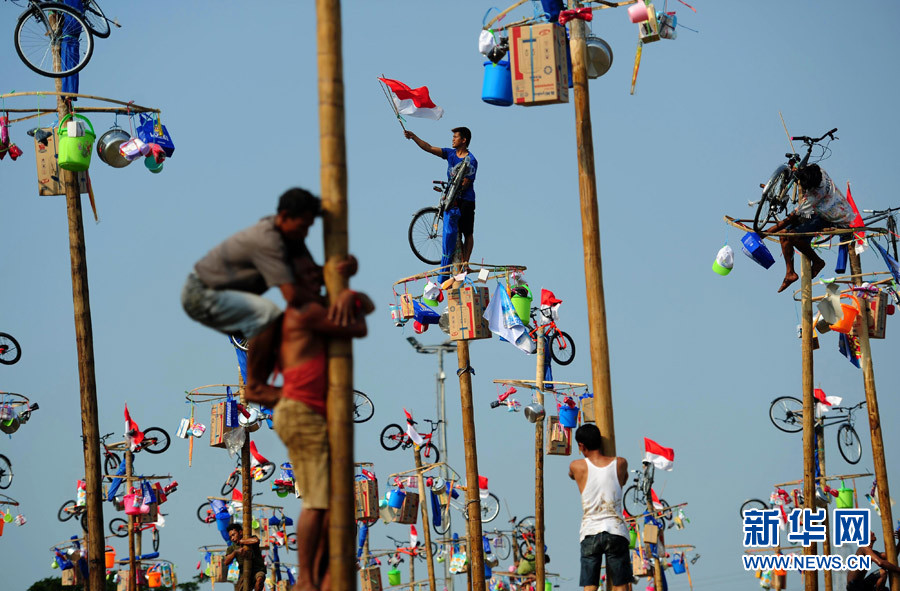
(857,222)
(824,402)
(414,102)
(132,432)
(256,458)
(237,496)
(413,537)
(661,457)
(411,431)
(549,304)
(655,500)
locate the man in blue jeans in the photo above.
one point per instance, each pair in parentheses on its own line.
(465,198)
(603,531)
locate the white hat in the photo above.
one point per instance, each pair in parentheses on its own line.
(724,261)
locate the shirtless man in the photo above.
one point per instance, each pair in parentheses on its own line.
(877,581)
(300,420)
(603,531)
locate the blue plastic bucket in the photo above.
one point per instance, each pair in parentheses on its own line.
(568,417)
(396,498)
(756,250)
(497,87)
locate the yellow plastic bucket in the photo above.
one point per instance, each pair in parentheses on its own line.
(75,152)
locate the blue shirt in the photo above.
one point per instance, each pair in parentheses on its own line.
(467,193)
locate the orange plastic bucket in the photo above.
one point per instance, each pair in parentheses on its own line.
(110,557)
(154,579)
(845,324)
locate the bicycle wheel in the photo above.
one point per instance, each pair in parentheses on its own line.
(111,462)
(363,409)
(786,413)
(525,536)
(773,197)
(666,513)
(232,481)
(562,348)
(205,514)
(426,235)
(490,508)
(266,470)
(156,440)
(391,437)
(6,473)
(66,511)
(154,536)
(84,523)
(10,351)
(95,19)
(633,501)
(501,546)
(430,454)
(753,504)
(848,444)
(119,527)
(65,32)
(240,343)
(291,541)
(444,527)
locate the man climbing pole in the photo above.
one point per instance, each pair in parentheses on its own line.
(463,207)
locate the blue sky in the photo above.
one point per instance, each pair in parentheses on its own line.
(696,358)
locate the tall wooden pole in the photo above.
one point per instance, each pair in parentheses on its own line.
(810,577)
(657,567)
(881,478)
(84,340)
(539,570)
(429,555)
(332,142)
(826,545)
(590,235)
(473,498)
(132,568)
(247,502)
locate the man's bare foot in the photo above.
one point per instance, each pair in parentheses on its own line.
(817,266)
(262,394)
(788,279)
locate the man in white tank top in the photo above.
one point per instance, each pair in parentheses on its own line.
(603,531)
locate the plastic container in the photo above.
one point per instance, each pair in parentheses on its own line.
(522,305)
(394,577)
(75,152)
(154,579)
(497,86)
(568,417)
(845,324)
(845,497)
(110,557)
(395,499)
(756,250)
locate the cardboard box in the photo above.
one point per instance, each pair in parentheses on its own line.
(587,410)
(366,492)
(651,533)
(465,307)
(555,445)
(649,30)
(638,568)
(371,578)
(70,577)
(262,532)
(540,74)
(217,428)
(48,168)
(407,310)
(218,572)
(877,316)
(409,512)
(151,517)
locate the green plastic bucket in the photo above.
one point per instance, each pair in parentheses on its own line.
(522,305)
(394,576)
(632,538)
(845,497)
(75,152)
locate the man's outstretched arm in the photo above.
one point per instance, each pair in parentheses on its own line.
(423,144)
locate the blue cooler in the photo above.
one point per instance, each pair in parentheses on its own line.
(756,250)
(497,87)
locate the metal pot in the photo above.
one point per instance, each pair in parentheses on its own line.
(534,412)
(600,57)
(108,147)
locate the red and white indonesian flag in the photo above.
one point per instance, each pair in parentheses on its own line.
(824,402)
(549,304)
(661,457)
(256,458)
(413,537)
(856,223)
(655,500)
(132,432)
(411,431)
(414,102)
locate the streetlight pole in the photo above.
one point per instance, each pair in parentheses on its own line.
(442,416)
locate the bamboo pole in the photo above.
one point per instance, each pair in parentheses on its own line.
(657,567)
(132,551)
(342,524)
(810,577)
(826,545)
(473,498)
(881,478)
(247,501)
(84,340)
(590,234)
(429,555)
(539,571)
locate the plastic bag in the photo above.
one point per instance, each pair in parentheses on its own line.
(234,441)
(234,572)
(486,42)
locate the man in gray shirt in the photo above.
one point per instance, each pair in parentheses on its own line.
(225,289)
